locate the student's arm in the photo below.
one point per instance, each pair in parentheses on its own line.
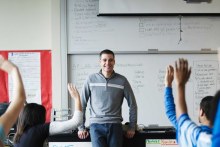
(8,119)
(182,74)
(168,97)
(75,121)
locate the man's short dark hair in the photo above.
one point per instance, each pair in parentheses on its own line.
(106,51)
(205,105)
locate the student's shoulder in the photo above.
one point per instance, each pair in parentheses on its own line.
(184,122)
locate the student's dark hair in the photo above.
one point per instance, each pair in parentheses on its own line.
(32,115)
(214,107)
(107,51)
(205,105)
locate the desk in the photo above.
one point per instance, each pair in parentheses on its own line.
(139,139)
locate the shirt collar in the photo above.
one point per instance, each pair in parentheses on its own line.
(206,129)
(113,73)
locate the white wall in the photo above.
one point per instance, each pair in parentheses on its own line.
(33,25)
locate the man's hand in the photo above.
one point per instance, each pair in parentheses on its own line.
(83,134)
(130,133)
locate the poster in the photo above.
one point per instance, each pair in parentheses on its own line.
(35,69)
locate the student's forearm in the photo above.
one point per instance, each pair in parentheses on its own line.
(62,126)
(19,93)
(18,96)
(78,105)
(181,102)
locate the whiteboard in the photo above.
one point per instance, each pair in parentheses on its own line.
(88,32)
(145,72)
(158,6)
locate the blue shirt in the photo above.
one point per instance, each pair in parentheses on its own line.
(170,106)
(216,130)
(188,133)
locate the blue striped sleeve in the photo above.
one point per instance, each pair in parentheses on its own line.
(170,106)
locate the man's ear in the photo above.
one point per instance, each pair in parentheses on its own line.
(201,112)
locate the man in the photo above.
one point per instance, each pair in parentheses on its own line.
(105,92)
(188,133)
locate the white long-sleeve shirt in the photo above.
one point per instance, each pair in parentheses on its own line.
(62,126)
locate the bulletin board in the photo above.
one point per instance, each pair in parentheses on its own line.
(35,69)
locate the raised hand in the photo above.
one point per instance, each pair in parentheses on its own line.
(73,91)
(75,95)
(182,71)
(169,76)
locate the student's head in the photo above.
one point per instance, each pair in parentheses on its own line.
(32,115)
(214,107)
(107,60)
(205,108)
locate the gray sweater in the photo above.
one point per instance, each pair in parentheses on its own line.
(106,97)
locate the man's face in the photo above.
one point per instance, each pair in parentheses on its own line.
(107,63)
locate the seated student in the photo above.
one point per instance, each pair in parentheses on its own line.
(8,119)
(216,119)
(205,104)
(32,129)
(188,133)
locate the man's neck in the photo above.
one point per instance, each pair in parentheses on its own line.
(107,74)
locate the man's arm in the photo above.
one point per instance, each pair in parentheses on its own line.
(168,97)
(83,133)
(129,95)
